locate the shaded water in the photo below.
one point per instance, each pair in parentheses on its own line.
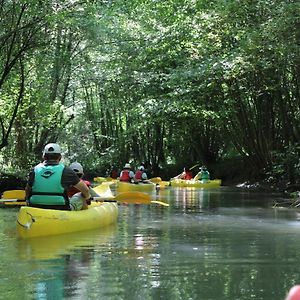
(209,244)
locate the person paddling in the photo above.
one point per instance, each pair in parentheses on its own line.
(187,174)
(203,175)
(126,174)
(78,169)
(140,175)
(49,182)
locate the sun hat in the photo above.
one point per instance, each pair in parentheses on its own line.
(76,167)
(127,166)
(52,148)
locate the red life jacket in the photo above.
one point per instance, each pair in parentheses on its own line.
(114,174)
(125,176)
(73,190)
(138,175)
(188,175)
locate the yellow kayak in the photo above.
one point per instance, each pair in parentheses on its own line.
(12,198)
(196,183)
(104,179)
(34,222)
(135,187)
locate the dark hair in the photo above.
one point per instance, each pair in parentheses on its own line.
(52,156)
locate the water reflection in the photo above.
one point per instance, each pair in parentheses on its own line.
(50,247)
(209,244)
(61,264)
(192,199)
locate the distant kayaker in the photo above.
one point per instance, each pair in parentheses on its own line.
(113,173)
(140,175)
(78,169)
(127,174)
(49,181)
(203,175)
(187,174)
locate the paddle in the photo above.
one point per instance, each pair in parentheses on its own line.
(126,197)
(130,198)
(193,167)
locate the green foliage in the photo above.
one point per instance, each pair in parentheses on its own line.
(161,81)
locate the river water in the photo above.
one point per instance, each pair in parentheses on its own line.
(213,244)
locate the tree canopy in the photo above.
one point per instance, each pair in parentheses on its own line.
(172,83)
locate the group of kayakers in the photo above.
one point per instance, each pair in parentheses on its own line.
(62,187)
(139,176)
(187,174)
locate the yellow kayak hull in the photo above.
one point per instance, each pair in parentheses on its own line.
(104,179)
(132,187)
(35,222)
(196,183)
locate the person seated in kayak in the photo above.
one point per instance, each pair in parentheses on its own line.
(127,174)
(113,173)
(203,175)
(78,169)
(140,175)
(187,174)
(49,181)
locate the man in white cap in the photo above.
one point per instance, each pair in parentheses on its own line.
(126,174)
(50,180)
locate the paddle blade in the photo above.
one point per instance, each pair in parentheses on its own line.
(103,190)
(133,197)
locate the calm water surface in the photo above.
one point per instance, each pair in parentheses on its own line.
(209,244)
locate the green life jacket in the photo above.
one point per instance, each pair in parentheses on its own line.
(47,189)
(205,175)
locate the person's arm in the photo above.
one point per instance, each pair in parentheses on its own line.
(28,187)
(82,187)
(27,191)
(131,176)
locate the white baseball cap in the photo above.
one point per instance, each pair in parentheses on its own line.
(127,166)
(52,148)
(76,167)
